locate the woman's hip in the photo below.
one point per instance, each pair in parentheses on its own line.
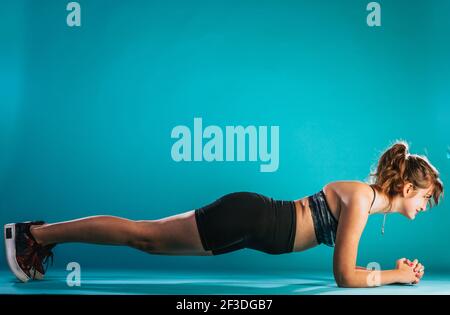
(247,220)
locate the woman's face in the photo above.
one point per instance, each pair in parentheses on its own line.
(415,201)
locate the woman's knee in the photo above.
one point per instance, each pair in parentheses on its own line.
(144,235)
(174,234)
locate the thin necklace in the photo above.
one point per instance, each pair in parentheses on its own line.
(384,218)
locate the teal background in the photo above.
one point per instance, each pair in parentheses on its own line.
(86,114)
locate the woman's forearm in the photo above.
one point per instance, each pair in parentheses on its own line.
(363,278)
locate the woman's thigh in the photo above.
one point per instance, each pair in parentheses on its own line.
(173,235)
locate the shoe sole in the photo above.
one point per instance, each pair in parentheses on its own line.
(10,247)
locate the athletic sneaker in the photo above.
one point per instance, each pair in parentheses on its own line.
(26,258)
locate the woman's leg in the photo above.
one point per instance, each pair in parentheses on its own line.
(174,235)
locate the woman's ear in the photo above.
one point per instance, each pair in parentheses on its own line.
(408,188)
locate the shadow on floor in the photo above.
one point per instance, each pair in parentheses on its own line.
(107,282)
(112,284)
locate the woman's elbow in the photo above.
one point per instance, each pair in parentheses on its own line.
(343,283)
(345,280)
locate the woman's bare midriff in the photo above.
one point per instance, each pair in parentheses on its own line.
(305,236)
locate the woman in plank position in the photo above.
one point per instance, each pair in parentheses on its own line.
(335,216)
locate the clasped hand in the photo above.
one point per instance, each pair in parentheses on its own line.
(409,271)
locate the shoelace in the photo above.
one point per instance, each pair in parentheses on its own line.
(39,254)
(38,257)
(44,253)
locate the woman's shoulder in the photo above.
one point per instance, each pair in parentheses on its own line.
(350,190)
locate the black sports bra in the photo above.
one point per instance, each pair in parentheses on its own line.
(325,224)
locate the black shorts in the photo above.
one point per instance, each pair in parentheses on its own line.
(247,220)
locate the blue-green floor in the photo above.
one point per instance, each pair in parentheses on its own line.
(185,283)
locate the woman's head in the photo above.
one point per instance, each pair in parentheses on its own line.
(408,176)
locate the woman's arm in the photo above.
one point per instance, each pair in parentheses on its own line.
(405,272)
(352,222)
(368,278)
